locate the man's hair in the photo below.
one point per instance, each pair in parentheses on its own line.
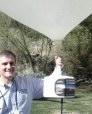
(7,53)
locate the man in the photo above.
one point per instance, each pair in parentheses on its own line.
(17,92)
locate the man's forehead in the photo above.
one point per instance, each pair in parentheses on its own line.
(8,57)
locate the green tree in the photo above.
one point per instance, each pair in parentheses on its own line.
(76,51)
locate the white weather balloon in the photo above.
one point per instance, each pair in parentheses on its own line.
(53,18)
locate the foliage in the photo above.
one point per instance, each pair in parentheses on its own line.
(76,48)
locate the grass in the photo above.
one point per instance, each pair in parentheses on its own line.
(81,104)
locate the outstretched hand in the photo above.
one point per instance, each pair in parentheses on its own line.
(59,61)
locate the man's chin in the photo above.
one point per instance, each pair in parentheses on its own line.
(10,76)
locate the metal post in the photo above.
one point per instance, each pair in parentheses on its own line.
(61,105)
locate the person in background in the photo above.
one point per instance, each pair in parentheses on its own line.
(17,92)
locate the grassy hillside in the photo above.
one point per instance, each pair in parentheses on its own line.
(81,104)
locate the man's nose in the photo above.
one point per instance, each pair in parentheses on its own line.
(9,65)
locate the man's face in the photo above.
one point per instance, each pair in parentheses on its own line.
(7,67)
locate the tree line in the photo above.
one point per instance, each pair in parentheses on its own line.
(77,49)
